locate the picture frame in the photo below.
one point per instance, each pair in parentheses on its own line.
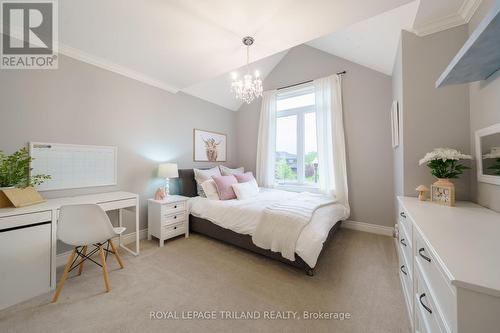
(395,123)
(209,146)
(443,194)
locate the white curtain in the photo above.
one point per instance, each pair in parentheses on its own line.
(332,167)
(266,143)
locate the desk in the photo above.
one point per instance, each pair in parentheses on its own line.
(33,231)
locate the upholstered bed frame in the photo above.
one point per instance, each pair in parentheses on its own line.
(186,185)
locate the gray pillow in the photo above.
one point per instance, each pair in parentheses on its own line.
(225,171)
(201,175)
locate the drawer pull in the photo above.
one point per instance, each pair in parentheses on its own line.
(422,303)
(402,270)
(423,255)
(175,206)
(402,214)
(402,241)
(175,216)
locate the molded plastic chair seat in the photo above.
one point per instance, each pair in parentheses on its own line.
(83,226)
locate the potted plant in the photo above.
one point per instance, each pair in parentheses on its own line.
(444,165)
(15,170)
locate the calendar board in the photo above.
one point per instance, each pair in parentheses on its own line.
(73,166)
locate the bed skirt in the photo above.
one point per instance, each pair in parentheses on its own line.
(205,227)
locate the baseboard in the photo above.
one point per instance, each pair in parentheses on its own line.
(368,227)
(62,258)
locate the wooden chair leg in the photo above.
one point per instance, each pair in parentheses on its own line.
(104,268)
(117,255)
(64,276)
(84,252)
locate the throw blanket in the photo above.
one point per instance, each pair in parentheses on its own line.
(281,223)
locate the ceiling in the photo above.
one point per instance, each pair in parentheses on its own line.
(193,45)
(372,42)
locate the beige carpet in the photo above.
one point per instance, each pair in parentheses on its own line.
(357,274)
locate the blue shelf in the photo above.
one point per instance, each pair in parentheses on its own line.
(479,58)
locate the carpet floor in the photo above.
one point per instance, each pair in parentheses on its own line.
(357,275)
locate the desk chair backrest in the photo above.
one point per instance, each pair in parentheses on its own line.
(84,224)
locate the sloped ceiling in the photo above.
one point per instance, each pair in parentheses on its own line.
(372,42)
(176,44)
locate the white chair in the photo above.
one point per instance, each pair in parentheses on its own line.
(82,226)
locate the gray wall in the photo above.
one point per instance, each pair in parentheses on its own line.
(484,112)
(83,104)
(367,100)
(432,117)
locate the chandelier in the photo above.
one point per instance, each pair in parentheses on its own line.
(250,87)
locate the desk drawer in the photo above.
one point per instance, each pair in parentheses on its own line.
(112,205)
(439,285)
(24,219)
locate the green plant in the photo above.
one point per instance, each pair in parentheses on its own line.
(446,169)
(496,167)
(284,171)
(443,162)
(15,170)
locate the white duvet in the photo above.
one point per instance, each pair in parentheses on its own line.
(243,216)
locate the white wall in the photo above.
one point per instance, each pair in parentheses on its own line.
(432,117)
(367,101)
(83,104)
(484,112)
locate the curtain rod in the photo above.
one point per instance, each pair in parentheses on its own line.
(309,81)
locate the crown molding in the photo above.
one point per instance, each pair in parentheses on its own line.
(112,67)
(468,9)
(463,16)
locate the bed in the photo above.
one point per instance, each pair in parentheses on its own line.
(223,220)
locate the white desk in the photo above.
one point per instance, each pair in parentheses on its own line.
(18,222)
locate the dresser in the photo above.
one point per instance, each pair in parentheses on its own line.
(449,266)
(168,218)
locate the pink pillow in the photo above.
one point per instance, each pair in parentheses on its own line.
(224,188)
(244,177)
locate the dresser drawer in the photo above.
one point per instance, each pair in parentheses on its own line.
(173,218)
(425,304)
(444,293)
(405,274)
(172,208)
(405,245)
(405,221)
(173,230)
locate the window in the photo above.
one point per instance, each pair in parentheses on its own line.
(296,142)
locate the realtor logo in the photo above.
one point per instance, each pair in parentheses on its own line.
(29,35)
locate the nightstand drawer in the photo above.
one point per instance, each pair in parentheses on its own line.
(174,218)
(172,208)
(173,230)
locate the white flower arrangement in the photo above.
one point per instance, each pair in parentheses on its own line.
(443,162)
(444,154)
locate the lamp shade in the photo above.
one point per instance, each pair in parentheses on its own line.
(168,170)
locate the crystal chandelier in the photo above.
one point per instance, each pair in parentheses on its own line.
(250,87)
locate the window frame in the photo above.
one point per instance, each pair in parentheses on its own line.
(300,113)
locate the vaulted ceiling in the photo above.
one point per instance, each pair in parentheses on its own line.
(193,45)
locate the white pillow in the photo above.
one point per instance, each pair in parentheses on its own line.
(228,171)
(210,189)
(246,190)
(202,175)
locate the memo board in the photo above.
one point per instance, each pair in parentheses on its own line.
(73,166)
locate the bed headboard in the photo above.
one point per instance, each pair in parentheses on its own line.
(184,185)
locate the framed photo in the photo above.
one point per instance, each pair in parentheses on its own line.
(443,194)
(395,123)
(209,146)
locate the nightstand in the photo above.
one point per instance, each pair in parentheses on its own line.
(168,218)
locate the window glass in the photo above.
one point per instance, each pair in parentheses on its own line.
(311,175)
(286,149)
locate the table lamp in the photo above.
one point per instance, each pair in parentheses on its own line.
(168,170)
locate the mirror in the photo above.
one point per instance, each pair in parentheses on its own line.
(488,154)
